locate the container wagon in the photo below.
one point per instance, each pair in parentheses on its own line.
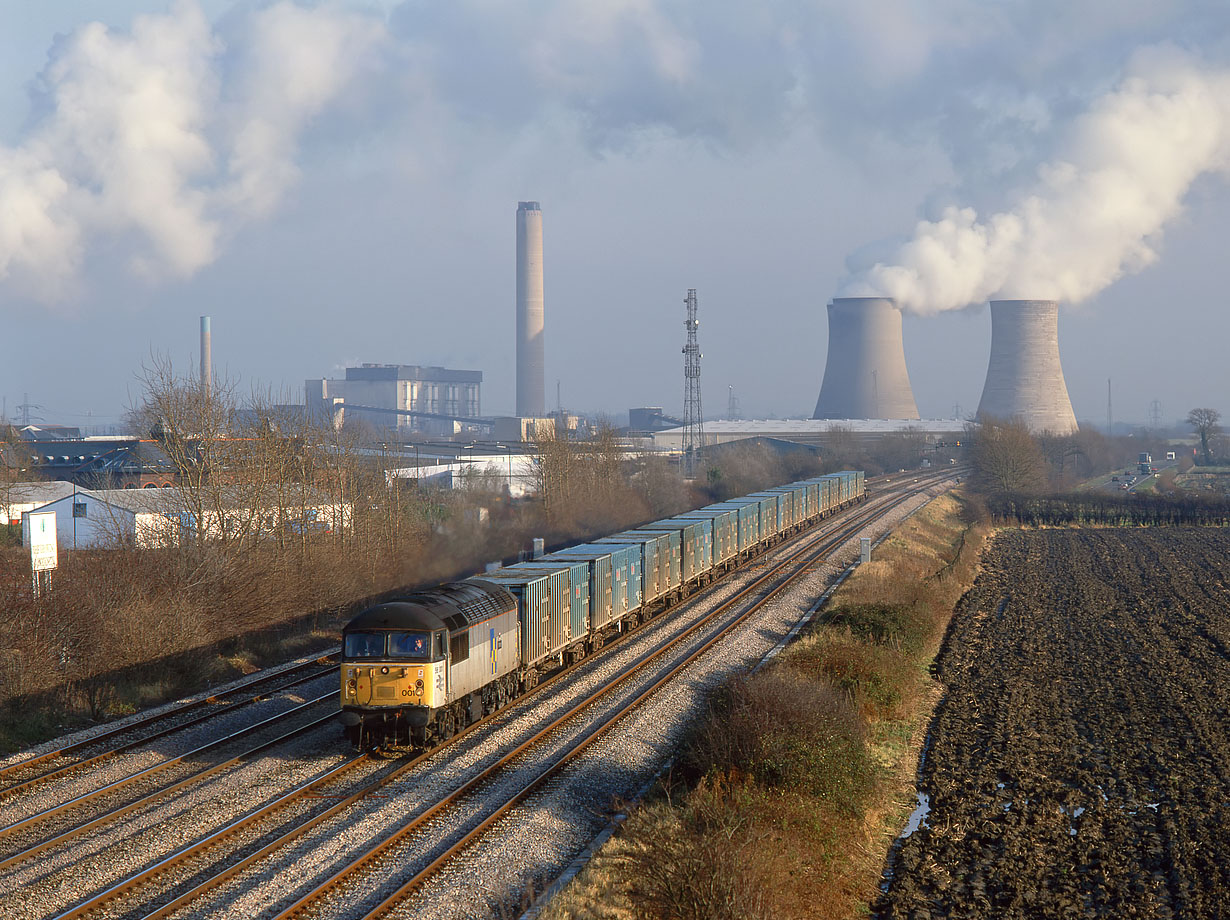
(543,599)
(576,624)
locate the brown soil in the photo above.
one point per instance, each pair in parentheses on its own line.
(1079,765)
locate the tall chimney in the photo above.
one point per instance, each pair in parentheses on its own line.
(206,360)
(1024,377)
(864,373)
(531,370)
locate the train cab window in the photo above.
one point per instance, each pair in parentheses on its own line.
(440,639)
(363,645)
(413,645)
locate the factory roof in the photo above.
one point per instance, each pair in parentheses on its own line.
(816,426)
(37,492)
(812,431)
(432,374)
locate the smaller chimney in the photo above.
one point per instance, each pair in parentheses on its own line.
(206,359)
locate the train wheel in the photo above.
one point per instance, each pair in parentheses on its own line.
(446,725)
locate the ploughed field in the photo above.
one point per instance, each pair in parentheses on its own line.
(1079,765)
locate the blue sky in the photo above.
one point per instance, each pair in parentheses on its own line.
(336,183)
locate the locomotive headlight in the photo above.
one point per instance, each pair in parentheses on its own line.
(385,669)
(418,685)
(351,686)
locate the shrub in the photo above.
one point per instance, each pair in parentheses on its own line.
(895,625)
(873,676)
(785,733)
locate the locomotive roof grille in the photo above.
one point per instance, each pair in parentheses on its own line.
(455,606)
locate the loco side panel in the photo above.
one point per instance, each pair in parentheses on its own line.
(483,652)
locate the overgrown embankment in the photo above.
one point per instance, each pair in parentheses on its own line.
(788,794)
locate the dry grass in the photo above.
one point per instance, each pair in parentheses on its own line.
(793,787)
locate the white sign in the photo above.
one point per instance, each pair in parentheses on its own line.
(39,533)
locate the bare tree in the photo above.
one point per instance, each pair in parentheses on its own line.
(555,473)
(662,486)
(269,481)
(13,469)
(192,424)
(1005,457)
(1205,423)
(1062,451)
(900,449)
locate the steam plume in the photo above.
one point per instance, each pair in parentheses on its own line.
(166,138)
(1094,214)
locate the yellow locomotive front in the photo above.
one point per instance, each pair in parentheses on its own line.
(394,673)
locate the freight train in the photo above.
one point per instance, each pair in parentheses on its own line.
(417,669)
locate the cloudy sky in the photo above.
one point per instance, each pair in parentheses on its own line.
(336,183)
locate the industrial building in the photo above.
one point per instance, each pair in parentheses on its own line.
(651,418)
(434,400)
(511,472)
(90,462)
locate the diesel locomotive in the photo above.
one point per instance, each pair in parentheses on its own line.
(417,669)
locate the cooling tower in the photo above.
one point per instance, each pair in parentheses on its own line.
(1024,378)
(864,374)
(531,373)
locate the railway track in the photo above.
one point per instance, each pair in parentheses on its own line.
(33,825)
(397,851)
(55,763)
(217,857)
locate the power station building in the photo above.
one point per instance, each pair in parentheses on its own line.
(403,396)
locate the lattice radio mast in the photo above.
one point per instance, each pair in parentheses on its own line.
(693,415)
(1155,414)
